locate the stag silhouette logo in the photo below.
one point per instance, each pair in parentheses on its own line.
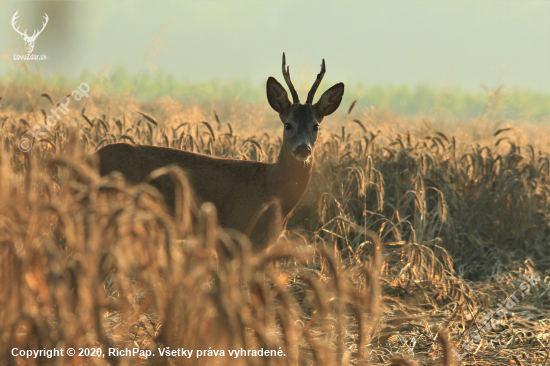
(29,40)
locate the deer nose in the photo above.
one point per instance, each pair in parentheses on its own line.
(303,151)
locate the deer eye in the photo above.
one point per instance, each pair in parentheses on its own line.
(316,128)
(288,126)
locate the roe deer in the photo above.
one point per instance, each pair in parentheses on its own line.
(239,189)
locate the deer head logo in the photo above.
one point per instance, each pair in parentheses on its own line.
(29,41)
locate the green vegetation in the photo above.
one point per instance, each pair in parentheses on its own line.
(420,100)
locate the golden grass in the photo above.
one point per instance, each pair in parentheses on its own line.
(411,231)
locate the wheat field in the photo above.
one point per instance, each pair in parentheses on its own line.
(413,233)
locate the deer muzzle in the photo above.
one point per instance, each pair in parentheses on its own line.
(302,152)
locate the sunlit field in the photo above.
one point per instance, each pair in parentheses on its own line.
(423,238)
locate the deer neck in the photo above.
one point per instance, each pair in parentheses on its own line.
(289,179)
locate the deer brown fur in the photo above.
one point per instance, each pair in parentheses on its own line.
(240,189)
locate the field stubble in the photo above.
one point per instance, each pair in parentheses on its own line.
(411,230)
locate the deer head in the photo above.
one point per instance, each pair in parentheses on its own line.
(29,41)
(301,121)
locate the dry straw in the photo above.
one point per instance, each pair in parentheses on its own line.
(400,231)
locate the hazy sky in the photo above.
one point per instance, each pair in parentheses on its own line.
(463,43)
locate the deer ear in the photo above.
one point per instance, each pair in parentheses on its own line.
(329,101)
(277,96)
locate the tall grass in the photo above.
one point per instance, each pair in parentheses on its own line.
(410,229)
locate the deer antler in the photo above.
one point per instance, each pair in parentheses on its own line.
(320,75)
(286,74)
(13,24)
(34,35)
